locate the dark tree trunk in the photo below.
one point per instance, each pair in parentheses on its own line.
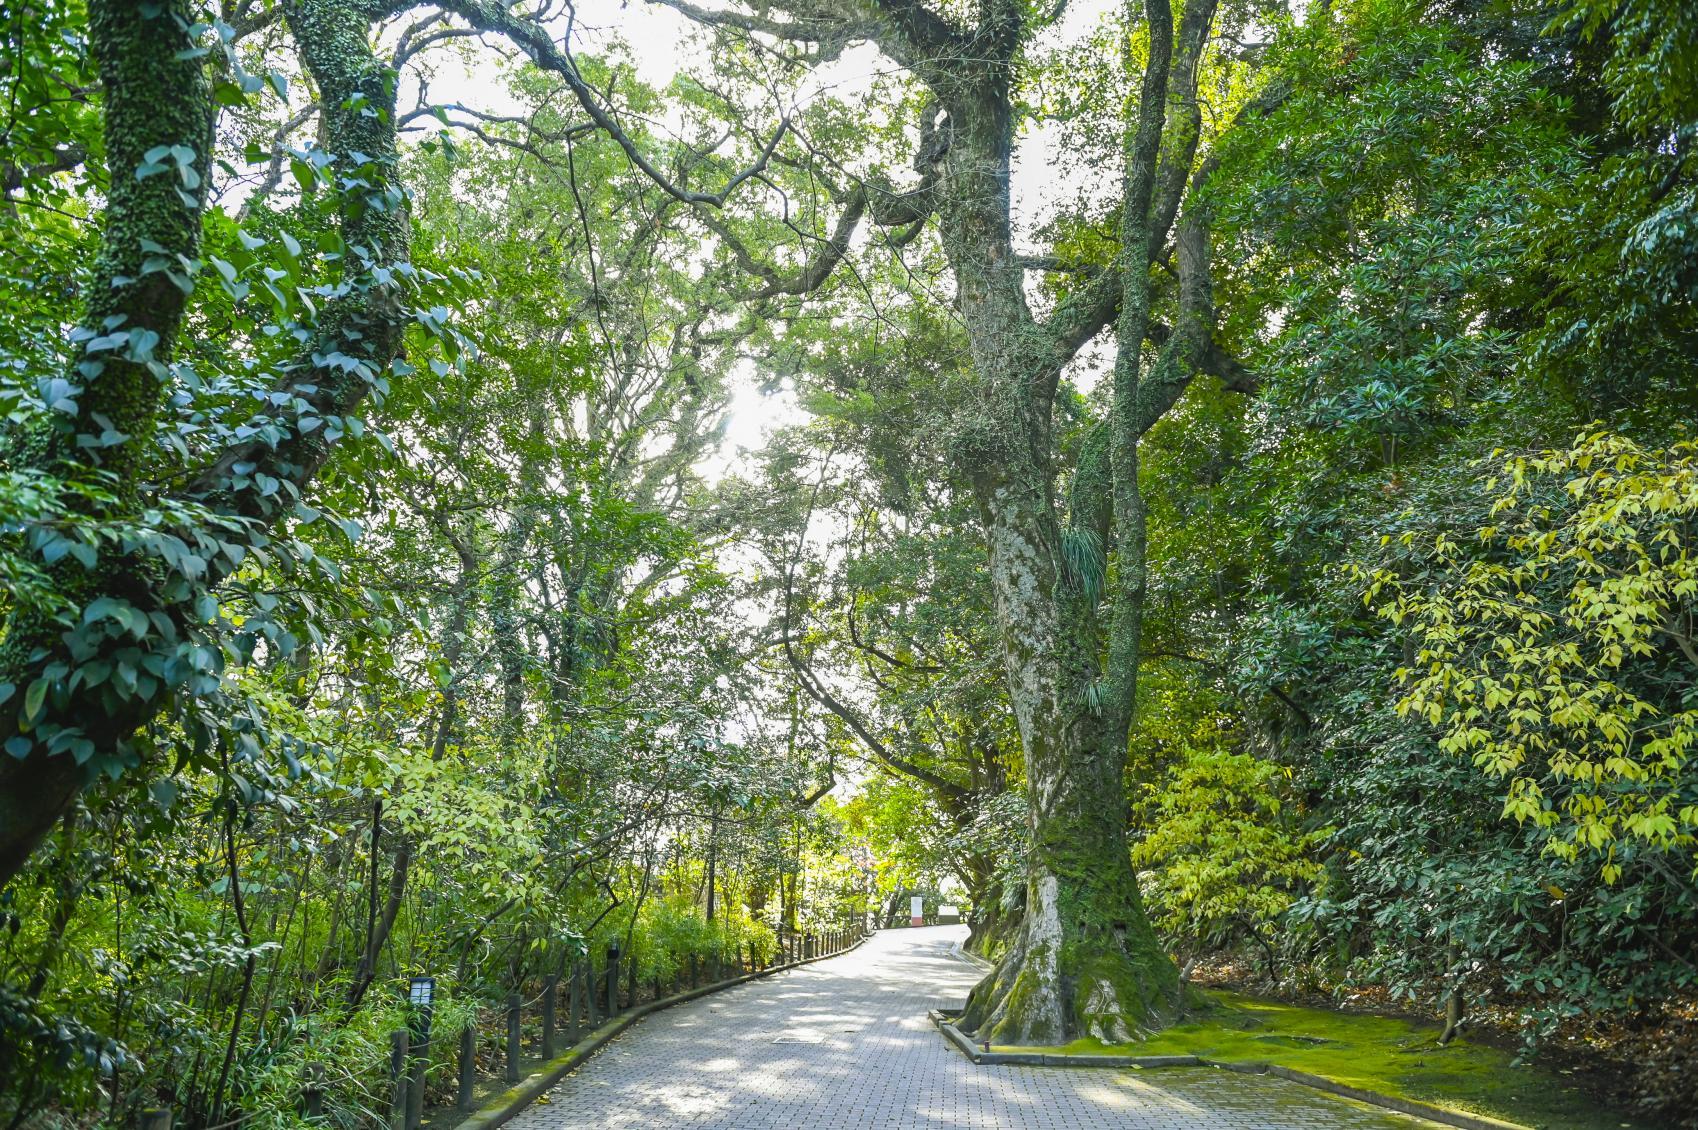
(154,97)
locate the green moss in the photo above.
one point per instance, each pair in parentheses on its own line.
(1022,998)
(1376,1053)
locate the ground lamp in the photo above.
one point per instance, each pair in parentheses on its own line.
(421,994)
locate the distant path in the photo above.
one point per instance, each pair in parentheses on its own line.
(845,1043)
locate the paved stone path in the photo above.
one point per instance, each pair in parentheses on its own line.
(845,1043)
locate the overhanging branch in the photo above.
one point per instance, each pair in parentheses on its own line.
(533,39)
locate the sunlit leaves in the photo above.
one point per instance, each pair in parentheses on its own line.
(1219,852)
(1556,645)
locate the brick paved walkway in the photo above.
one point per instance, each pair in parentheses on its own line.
(845,1043)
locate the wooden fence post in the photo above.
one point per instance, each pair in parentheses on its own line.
(399,1042)
(550,990)
(312,1091)
(612,980)
(468,1067)
(420,1053)
(156,1118)
(574,981)
(515,1005)
(592,986)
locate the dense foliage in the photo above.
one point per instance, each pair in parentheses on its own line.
(390,585)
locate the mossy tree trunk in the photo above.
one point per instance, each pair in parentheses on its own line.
(156,99)
(1085,959)
(153,97)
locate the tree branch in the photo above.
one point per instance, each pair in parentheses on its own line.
(535,41)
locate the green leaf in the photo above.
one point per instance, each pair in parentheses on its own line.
(34,697)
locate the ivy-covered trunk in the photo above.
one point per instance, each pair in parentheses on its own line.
(64,719)
(156,121)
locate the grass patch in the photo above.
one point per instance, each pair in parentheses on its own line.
(1376,1053)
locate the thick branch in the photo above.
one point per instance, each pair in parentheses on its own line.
(888,210)
(906,30)
(1137,401)
(816,691)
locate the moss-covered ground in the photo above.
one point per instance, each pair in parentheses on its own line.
(1376,1053)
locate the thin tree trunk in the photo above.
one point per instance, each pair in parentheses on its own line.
(239,902)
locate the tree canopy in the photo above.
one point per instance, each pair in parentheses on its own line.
(481,482)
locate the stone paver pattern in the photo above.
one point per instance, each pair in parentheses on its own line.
(845,1043)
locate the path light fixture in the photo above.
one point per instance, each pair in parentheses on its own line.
(421,994)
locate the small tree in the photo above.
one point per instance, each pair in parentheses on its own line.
(1222,854)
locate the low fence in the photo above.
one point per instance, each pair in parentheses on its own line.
(534,1031)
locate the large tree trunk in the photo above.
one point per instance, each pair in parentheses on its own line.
(1085,960)
(157,95)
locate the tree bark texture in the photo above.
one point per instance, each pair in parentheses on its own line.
(153,98)
(1085,960)
(157,94)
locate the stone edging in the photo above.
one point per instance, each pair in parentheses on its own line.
(971,958)
(509,1103)
(1441,1115)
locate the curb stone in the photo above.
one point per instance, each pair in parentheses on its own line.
(1465,1121)
(1051,1059)
(974,959)
(510,1103)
